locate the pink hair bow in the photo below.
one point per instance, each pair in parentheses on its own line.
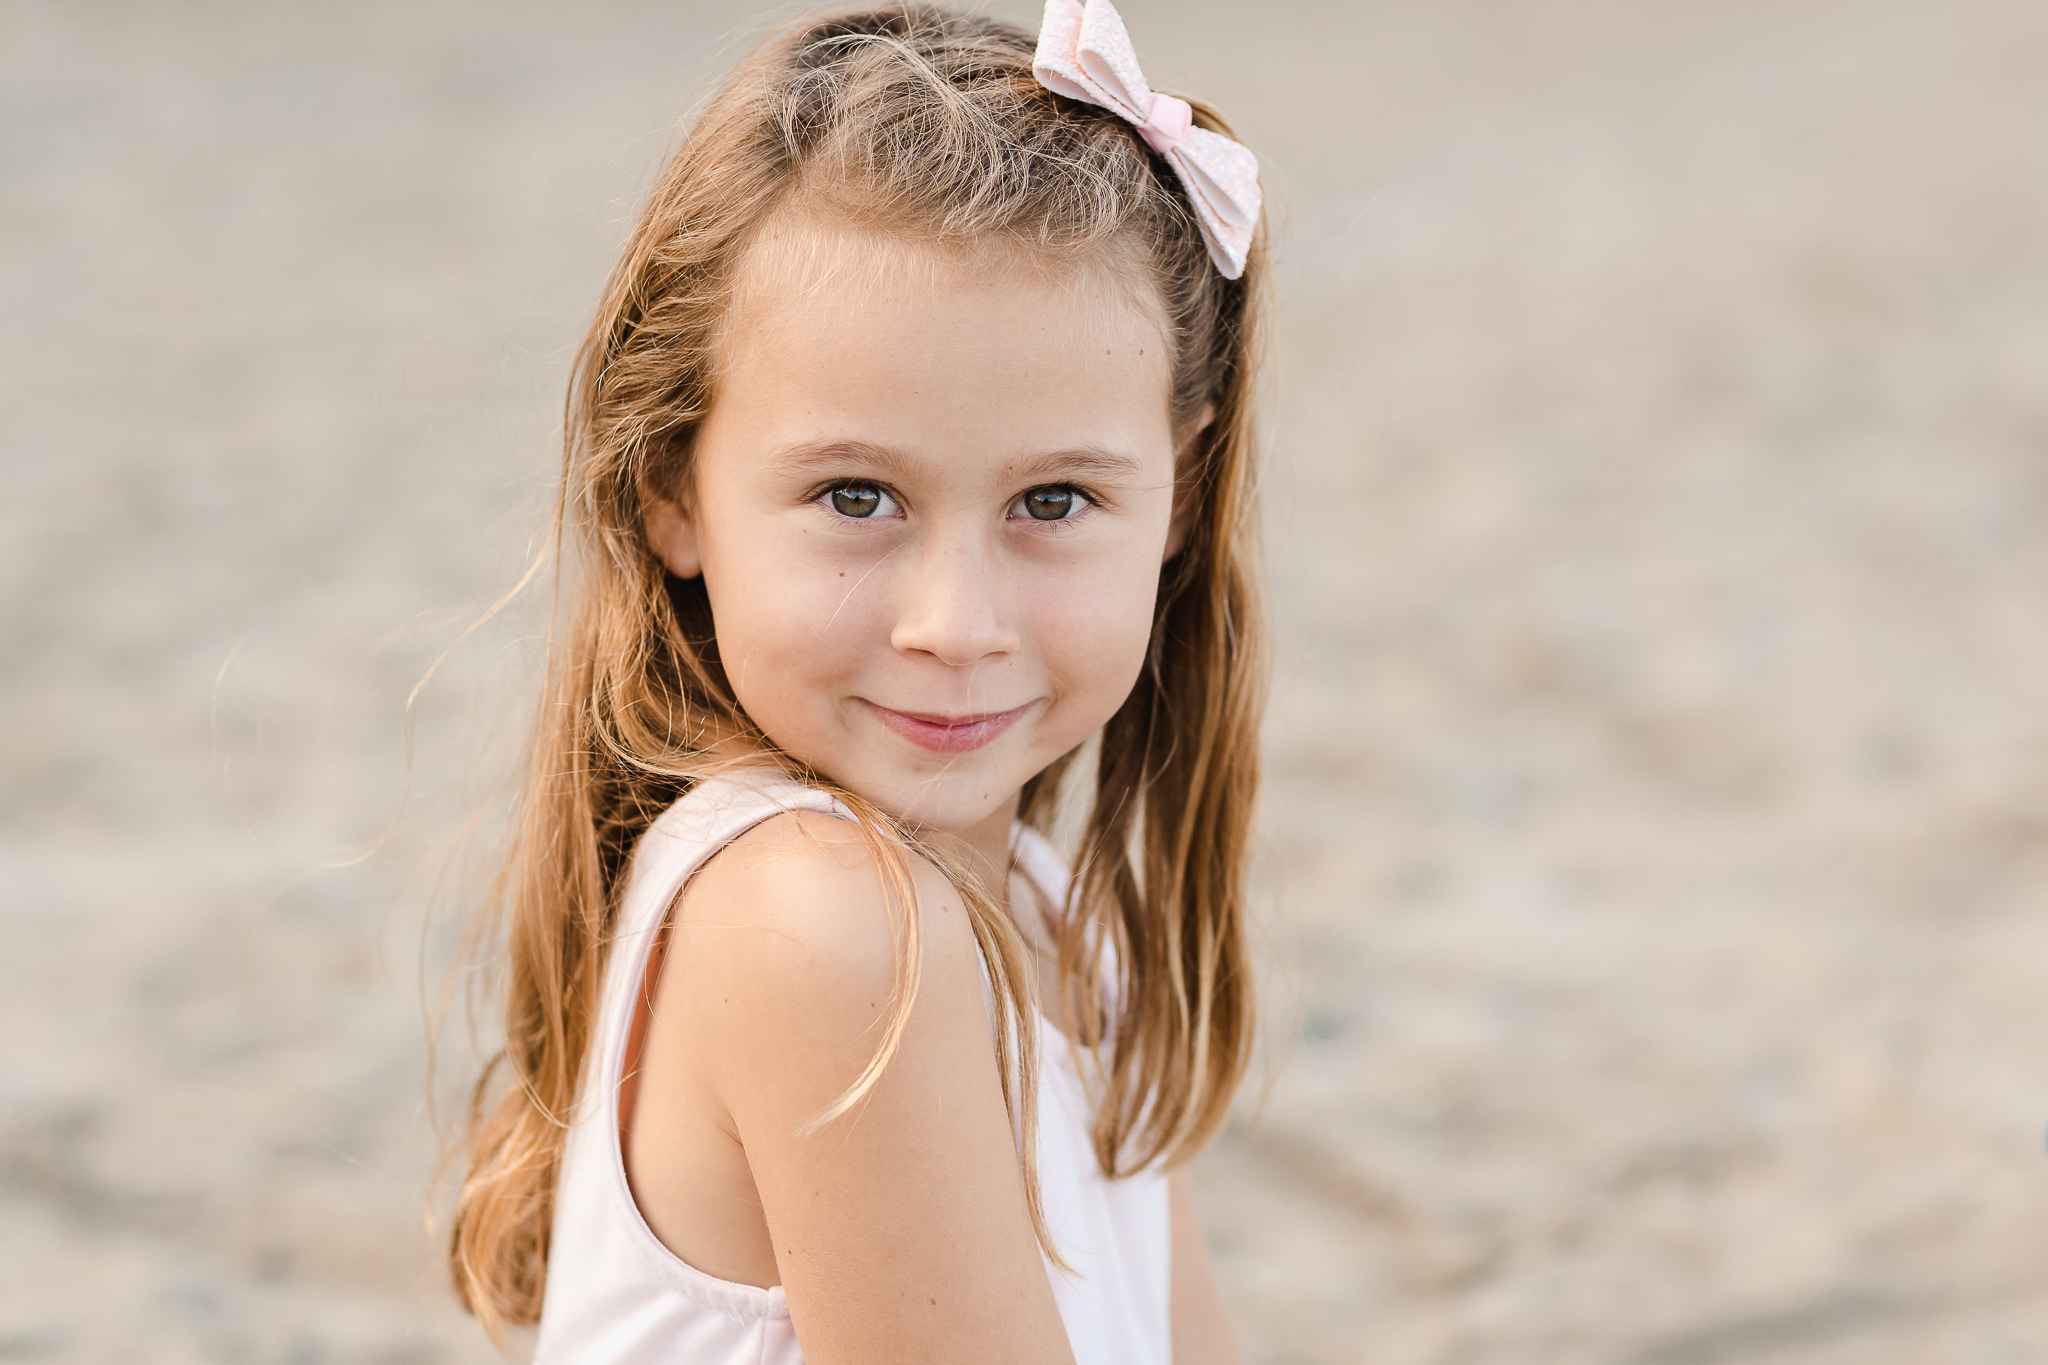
(1085,54)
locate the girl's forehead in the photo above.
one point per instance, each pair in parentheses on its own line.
(811,260)
(840,337)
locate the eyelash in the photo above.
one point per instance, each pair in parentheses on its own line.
(1089,502)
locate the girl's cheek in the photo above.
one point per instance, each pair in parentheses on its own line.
(1098,631)
(774,602)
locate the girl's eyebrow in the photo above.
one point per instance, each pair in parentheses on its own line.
(1083,462)
(822,456)
(1087,462)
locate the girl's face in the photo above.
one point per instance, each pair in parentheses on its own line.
(929,503)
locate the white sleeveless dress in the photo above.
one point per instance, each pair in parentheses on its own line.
(617,1296)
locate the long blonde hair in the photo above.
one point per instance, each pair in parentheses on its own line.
(928,123)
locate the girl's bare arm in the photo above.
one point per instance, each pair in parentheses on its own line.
(900,1229)
(1201,1330)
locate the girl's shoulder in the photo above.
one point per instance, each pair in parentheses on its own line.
(818,881)
(806,902)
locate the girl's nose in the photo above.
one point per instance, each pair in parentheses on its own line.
(951,608)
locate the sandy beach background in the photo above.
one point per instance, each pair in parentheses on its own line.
(1657,841)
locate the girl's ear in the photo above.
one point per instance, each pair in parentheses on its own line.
(672,535)
(1187,491)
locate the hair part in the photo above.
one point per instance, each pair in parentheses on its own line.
(927,125)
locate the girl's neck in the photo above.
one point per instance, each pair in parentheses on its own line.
(985,848)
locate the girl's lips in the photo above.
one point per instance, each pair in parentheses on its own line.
(946,734)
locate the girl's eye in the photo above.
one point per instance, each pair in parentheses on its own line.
(1053,504)
(859,500)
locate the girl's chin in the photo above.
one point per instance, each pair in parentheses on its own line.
(951,803)
(944,812)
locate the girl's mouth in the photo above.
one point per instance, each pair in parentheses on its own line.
(946,734)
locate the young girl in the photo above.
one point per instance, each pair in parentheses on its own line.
(909,462)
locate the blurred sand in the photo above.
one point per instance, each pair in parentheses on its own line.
(1658,833)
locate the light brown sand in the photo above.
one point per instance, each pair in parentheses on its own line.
(1658,831)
